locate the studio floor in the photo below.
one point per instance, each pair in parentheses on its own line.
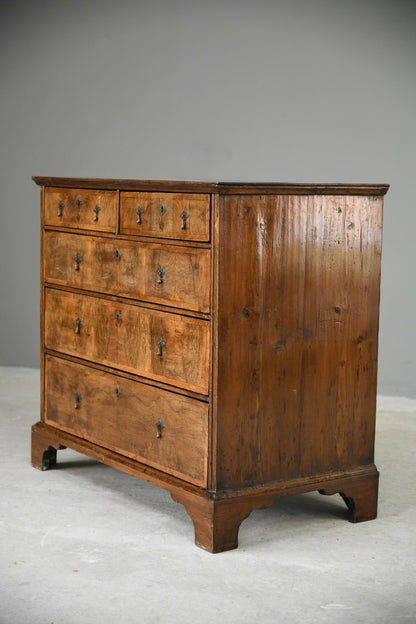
(86,544)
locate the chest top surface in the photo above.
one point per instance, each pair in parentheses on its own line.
(222,188)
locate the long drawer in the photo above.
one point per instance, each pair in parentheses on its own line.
(81,209)
(160,428)
(182,216)
(166,347)
(169,275)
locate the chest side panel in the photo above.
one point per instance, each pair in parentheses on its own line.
(298,300)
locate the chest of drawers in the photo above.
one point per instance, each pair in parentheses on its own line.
(218,340)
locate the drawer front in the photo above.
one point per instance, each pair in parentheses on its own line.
(175,276)
(166,347)
(166,215)
(81,208)
(162,429)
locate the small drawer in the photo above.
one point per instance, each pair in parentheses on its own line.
(81,208)
(154,426)
(177,276)
(180,216)
(170,348)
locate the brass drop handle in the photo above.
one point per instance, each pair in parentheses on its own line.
(159,426)
(96,211)
(78,398)
(160,346)
(79,203)
(78,260)
(162,209)
(78,326)
(61,206)
(184,217)
(117,254)
(117,316)
(160,274)
(139,213)
(117,391)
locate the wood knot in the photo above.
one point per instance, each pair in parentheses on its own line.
(280,346)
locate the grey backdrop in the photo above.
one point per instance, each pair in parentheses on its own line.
(284,90)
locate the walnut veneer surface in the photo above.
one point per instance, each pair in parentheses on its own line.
(216,339)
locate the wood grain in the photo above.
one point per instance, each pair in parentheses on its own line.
(130,269)
(123,415)
(216,517)
(298,327)
(221,188)
(130,343)
(168,186)
(161,215)
(79,210)
(230,361)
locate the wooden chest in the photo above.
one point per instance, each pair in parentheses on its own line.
(216,339)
